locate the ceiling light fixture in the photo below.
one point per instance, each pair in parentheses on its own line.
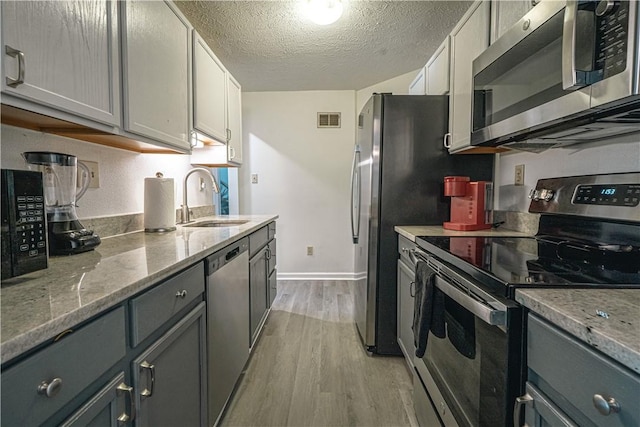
(323,12)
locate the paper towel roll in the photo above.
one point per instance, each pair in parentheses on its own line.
(159,204)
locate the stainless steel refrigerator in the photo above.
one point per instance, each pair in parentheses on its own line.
(399,165)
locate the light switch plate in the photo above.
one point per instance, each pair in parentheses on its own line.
(94,174)
(519,175)
(254,178)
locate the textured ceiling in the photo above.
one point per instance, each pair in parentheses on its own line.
(270,46)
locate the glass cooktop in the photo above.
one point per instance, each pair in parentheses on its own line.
(505,263)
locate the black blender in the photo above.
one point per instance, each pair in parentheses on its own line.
(66,234)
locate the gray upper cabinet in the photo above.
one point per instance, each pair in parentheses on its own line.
(506,13)
(64,55)
(438,70)
(170,377)
(209,92)
(468,39)
(418,85)
(156,43)
(234,117)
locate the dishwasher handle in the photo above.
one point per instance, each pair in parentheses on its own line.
(219,259)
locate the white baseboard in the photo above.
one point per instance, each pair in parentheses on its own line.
(316,276)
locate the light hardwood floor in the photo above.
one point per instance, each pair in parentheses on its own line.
(310,369)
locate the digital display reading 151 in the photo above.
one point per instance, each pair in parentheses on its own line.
(608,195)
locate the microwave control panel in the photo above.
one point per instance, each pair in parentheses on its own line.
(612,34)
(24,233)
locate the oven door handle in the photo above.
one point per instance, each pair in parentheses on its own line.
(494,313)
(483,307)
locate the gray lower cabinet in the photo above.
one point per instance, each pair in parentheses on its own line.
(405,295)
(170,376)
(110,407)
(37,388)
(84,376)
(262,276)
(571,384)
(257,291)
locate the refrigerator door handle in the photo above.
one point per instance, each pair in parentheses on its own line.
(355,196)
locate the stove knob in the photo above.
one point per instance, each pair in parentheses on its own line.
(547,195)
(534,195)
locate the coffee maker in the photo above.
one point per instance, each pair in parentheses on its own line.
(470,203)
(66,235)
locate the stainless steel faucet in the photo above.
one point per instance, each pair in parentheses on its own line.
(185,217)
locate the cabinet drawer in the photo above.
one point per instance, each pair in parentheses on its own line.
(257,240)
(77,360)
(152,309)
(571,373)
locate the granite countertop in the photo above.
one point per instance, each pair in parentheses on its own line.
(574,310)
(38,306)
(411,231)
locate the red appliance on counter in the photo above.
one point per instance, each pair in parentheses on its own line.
(470,203)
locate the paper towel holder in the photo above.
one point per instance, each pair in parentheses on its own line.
(167,223)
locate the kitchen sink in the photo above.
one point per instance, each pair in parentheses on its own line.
(218,223)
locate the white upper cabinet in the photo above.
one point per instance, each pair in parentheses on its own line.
(64,55)
(506,13)
(234,141)
(468,39)
(418,85)
(438,70)
(209,92)
(156,44)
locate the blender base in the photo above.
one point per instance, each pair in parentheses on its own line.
(70,237)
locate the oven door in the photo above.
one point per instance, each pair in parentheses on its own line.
(473,371)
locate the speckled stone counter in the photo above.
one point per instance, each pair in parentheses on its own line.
(574,310)
(411,231)
(38,306)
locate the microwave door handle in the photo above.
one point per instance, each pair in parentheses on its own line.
(570,79)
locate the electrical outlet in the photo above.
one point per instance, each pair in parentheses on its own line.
(94,174)
(519,175)
(203,184)
(309,250)
(254,178)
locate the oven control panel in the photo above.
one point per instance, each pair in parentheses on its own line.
(607,194)
(613,196)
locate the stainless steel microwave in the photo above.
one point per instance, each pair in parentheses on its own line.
(567,72)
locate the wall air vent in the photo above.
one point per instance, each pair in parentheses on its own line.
(329,120)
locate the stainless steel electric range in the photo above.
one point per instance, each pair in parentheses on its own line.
(588,236)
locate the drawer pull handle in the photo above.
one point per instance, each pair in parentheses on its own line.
(148,392)
(181,294)
(124,417)
(50,389)
(605,405)
(521,401)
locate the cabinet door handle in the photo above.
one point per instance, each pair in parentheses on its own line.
(412,289)
(605,405)
(124,417)
(148,392)
(50,389)
(446,141)
(15,53)
(228,134)
(181,294)
(268,254)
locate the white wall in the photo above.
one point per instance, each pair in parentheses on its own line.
(303,175)
(397,85)
(122,172)
(581,159)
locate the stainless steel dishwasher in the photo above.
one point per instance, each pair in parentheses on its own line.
(227,322)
